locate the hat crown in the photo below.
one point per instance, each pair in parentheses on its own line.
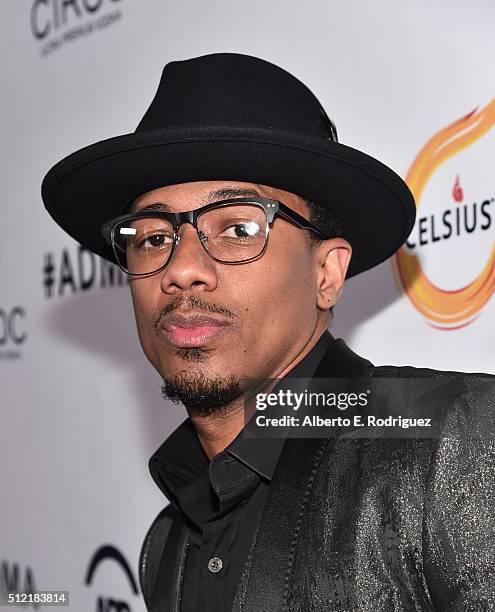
(235,91)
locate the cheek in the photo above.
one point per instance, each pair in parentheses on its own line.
(277,293)
(293,293)
(144,310)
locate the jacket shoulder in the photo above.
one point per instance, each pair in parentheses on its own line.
(441,393)
(152,550)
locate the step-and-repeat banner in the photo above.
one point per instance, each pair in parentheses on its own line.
(81,409)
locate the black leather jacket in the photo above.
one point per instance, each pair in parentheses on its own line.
(363,524)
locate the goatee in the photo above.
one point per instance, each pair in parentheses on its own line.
(201,395)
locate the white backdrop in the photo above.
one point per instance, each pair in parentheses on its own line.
(80,406)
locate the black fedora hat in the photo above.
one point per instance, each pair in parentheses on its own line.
(228,116)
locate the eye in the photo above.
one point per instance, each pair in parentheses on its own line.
(245,229)
(153,241)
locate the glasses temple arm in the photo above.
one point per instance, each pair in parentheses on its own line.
(299,220)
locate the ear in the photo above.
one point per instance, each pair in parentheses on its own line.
(332,260)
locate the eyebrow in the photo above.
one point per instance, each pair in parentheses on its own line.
(154,207)
(224,193)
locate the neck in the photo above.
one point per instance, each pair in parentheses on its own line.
(217,431)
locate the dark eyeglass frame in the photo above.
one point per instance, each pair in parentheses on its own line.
(272,209)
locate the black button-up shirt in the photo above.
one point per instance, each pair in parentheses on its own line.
(220,501)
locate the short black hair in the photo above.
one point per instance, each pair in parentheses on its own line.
(324,220)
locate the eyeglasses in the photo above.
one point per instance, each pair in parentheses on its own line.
(231,231)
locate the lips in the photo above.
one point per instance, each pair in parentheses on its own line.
(191,330)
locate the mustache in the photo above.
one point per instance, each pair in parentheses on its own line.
(190,302)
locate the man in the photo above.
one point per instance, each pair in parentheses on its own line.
(235,211)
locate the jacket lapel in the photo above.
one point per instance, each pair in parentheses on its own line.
(267,579)
(167,585)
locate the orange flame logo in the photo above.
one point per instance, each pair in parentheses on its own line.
(446,309)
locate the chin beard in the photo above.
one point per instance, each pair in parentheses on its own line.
(202,396)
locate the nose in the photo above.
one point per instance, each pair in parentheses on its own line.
(189,266)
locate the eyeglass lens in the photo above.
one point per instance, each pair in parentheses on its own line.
(231,234)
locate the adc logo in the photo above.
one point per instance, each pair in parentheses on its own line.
(13,332)
(110,604)
(447,267)
(70,273)
(13,580)
(55,22)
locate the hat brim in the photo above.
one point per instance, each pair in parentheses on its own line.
(91,186)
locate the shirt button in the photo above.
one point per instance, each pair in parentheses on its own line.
(215,565)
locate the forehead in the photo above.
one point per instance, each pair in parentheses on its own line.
(186,196)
